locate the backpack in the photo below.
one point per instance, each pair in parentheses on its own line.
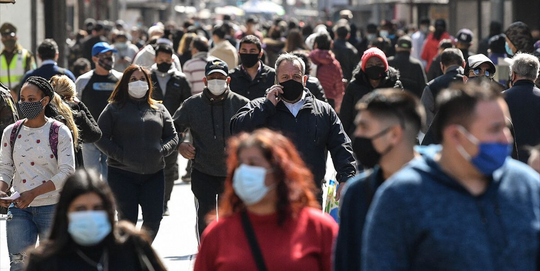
(53,136)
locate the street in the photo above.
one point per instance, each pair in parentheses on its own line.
(175,243)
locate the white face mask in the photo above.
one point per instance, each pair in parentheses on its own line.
(137,89)
(217,86)
(248,183)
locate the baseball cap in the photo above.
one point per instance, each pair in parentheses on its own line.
(465,36)
(216,65)
(8,29)
(476,60)
(404,42)
(102,47)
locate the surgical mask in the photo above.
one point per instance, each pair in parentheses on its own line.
(248,183)
(366,153)
(383,33)
(371,36)
(491,155)
(9,44)
(106,63)
(120,45)
(164,67)
(249,60)
(88,228)
(137,89)
(375,72)
(217,86)
(292,90)
(509,51)
(31,110)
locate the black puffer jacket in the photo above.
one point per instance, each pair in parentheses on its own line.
(359,87)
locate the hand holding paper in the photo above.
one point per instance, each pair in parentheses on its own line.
(13,197)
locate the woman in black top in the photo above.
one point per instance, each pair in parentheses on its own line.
(89,131)
(85,237)
(138,133)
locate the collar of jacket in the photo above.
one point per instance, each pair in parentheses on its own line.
(207,97)
(262,72)
(455,69)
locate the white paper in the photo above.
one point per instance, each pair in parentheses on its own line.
(14,196)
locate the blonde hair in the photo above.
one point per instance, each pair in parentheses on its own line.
(64,87)
(185,42)
(64,110)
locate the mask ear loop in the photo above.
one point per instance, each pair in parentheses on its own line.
(471,138)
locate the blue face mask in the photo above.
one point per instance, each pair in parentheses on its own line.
(508,50)
(88,228)
(490,157)
(248,183)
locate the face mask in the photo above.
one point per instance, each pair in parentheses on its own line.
(137,89)
(366,153)
(9,44)
(88,228)
(490,157)
(375,72)
(509,51)
(371,36)
(249,60)
(106,62)
(31,110)
(248,183)
(217,86)
(292,90)
(383,33)
(120,45)
(424,29)
(164,67)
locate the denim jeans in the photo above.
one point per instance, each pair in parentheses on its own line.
(23,226)
(94,159)
(131,190)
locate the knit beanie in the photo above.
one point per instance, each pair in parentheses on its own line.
(374,51)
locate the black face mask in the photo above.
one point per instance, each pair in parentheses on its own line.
(249,60)
(106,62)
(366,153)
(292,90)
(375,72)
(164,67)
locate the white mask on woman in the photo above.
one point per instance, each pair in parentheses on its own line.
(248,183)
(137,89)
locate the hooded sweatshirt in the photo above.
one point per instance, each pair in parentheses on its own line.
(423,219)
(329,73)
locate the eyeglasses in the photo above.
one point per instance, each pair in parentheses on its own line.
(479,72)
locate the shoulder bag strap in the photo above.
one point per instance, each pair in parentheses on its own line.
(252,239)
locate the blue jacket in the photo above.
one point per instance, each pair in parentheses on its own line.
(523,101)
(422,219)
(356,199)
(47,71)
(314,131)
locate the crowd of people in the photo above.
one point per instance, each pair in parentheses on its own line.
(435,148)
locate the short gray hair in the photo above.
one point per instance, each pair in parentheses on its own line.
(290,58)
(525,65)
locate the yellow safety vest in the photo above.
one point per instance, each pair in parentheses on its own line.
(12,74)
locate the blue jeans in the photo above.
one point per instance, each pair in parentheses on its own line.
(22,229)
(94,159)
(131,190)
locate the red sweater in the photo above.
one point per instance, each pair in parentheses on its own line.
(431,48)
(304,243)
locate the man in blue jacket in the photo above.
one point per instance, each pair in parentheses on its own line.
(466,207)
(48,53)
(311,124)
(387,126)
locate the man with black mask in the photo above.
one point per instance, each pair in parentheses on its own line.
(312,125)
(251,78)
(386,128)
(94,89)
(172,88)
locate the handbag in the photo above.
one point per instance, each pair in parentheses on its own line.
(253,244)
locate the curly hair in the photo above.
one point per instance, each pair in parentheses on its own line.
(295,185)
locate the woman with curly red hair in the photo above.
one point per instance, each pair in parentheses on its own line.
(269,218)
